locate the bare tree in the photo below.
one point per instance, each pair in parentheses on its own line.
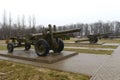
(34,23)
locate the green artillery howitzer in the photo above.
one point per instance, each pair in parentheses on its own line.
(49,39)
(94,38)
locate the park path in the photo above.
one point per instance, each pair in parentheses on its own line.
(89,48)
(82,63)
(110,70)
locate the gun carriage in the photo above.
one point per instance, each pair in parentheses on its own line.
(49,39)
(94,38)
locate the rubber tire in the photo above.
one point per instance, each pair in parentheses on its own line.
(76,41)
(45,45)
(27,46)
(96,40)
(10,47)
(93,40)
(60,47)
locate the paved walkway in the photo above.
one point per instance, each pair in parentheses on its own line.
(111,44)
(110,70)
(90,48)
(82,63)
(99,43)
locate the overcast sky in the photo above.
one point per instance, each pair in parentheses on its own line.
(61,12)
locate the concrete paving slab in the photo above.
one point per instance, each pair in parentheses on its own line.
(85,43)
(90,48)
(82,63)
(32,56)
(110,70)
(111,44)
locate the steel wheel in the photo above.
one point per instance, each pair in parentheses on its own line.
(27,46)
(60,46)
(10,47)
(42,47)
(93,40)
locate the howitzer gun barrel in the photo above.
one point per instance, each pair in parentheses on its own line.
(102,34)
(59,32)
(66,31)
(106,33)
(38,34)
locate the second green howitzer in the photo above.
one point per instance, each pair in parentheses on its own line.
(94,38)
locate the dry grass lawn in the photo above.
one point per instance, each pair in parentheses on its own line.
(90,46)
(100,40)
(16,71)
(108,52)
